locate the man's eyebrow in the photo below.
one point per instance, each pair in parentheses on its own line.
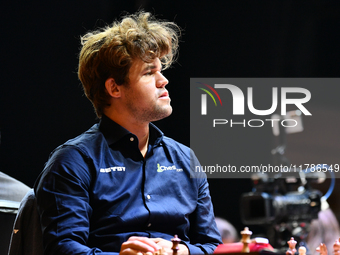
(149,67)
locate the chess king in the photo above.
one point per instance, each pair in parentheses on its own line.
(101,193)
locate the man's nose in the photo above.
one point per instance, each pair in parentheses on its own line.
(161,80)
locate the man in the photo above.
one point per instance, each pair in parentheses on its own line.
(227,230)
(11,189)
(123,186)
(12,192)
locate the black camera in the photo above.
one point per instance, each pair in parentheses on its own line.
(281,198)
(260,208)
(284,204)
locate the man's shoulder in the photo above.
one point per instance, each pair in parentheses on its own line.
(86,143)
(86,138)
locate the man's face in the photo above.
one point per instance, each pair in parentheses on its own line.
(146,98)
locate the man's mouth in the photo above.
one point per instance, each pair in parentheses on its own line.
(165,94)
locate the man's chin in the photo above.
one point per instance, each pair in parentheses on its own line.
(164,113)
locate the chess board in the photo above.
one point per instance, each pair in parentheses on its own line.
(260,247)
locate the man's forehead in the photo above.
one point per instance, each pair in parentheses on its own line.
(138,63)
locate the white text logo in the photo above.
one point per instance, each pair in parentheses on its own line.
(112,169)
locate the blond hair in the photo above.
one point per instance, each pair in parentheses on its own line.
(109,53)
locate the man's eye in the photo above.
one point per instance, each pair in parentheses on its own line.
(148,73)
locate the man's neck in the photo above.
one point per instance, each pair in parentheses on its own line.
(141,130)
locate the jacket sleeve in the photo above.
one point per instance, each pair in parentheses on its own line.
(204,235)
(63,202)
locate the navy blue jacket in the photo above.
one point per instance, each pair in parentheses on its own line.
(97,190)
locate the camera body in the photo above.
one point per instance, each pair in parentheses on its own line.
(283,206)
(261,208)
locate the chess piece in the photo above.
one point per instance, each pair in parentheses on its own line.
(291,244)
(322,249)
(175,243)
(336,247)
(302,250)
(246,233)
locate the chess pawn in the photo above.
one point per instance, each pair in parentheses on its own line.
(175,243)
(336,247)
(291,245)
(322,249)
(302,250)
(246,233)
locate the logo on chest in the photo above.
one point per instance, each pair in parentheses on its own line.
(168,168)
(112,169)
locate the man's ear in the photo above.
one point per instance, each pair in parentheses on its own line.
(112,88)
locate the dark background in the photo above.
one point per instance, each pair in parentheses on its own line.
(42,102)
